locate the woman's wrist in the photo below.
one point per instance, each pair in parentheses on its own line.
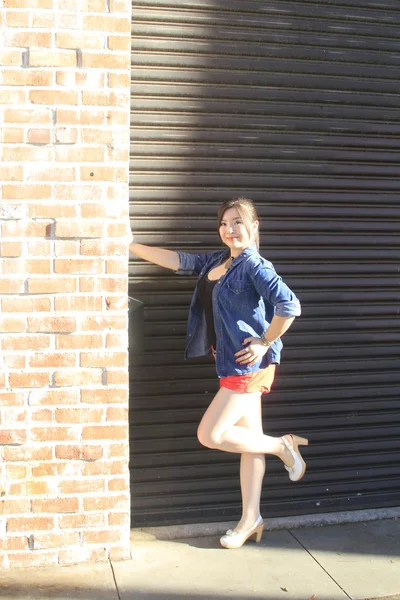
(265,342)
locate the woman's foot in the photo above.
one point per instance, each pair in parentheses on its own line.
(237,537)
(292,458)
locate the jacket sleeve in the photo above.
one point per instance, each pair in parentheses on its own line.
(191,264)
(271,287)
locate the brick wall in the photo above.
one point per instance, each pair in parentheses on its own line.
(64,487)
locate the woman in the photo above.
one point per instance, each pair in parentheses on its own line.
(239,311)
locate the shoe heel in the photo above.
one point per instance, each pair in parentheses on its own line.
(258,533)
(299,441)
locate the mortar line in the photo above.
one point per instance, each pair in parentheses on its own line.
(319,564)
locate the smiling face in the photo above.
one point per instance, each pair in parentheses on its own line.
(235,233)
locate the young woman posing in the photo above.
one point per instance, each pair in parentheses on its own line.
(239,311)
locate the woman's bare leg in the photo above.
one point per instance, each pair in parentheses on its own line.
(218,427)
(252,469)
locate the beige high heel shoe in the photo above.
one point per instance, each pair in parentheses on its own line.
(297,470)
(234,539)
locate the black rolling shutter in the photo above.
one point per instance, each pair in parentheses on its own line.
(296,105)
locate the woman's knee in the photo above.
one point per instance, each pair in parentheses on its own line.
(208,438)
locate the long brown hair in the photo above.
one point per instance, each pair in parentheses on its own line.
(247,212)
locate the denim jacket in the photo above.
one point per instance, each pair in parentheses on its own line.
(244,301)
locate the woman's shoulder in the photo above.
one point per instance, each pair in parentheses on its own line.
(257,261)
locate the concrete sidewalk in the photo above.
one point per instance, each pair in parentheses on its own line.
(337,562)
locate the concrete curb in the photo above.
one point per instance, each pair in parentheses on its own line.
(174,532)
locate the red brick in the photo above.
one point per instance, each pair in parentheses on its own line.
(78,303)
(48,285)
(82,554)
(11,399)
(78,341)
(52,359)
(39,136)
(84,452)
(11,96)
(117,302)
(14,472)
(106,60)
(11,57)
(66,135)
(105,396)
(118,519)
(101,537)
(12,325)
(79,193)
(11,173)
(30,4)
(49,434)
(26,304)
(118,80)
(56,97)
(118,450)
(102,173)
(116,377)
(53,211)
(66,247)
(117,414)
(43,415)
(96,136)
(81,486)
(116,266)
(27,153)
(26,192)
(20,560)
(13,135)
(24,229)
(51,324)
(16,543)
(103,323)
(106,23)
(79,229)
(44,20)
(120,42)
(56,469)
(15,361)
(10,249)
(16,19)
(24,77)
(27,115)
(114,467)
(12,437)
(106,502)
(28,453)
(81,521)
(119,484)
(78,266)
(39,248)
(56,505)
(52,58)
(80,40)
(50,174)
(28,380)
(42,541)
(25,342)
(104,432)
(77,377)
(103,359)
(53,397)
(79,415)
(117,340)
(30,524)
(29,39)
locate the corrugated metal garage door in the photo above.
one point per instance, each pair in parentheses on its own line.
(295,104)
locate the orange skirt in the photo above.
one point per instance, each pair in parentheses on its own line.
(259,381)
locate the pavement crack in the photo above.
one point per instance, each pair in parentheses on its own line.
(319,564)
(115,580)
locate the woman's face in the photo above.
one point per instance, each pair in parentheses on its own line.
(234,233)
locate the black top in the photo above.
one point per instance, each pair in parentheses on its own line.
(205,290)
